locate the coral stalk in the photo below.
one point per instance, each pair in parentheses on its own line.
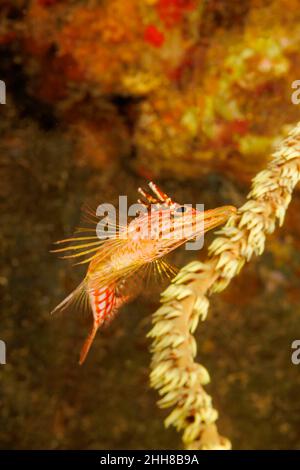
(175,374)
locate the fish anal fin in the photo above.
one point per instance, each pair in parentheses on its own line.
(77,300)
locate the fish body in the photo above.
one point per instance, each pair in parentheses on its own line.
(117,262)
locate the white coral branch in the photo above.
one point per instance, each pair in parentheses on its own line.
(175,374)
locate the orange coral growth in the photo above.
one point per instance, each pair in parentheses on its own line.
(171,12)
(47,3)
(205,88)
(153,36)
(100,51)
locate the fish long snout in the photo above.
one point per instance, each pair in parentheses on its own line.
(215,217)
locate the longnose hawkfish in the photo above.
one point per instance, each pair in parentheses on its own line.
(116,262)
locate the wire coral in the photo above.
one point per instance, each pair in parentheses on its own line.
(175,374)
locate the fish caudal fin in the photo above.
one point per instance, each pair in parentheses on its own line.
(87,344)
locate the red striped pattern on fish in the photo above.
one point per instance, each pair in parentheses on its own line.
(114,262)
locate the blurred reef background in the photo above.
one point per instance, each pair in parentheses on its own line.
(103,95)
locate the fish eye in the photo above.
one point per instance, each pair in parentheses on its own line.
(181,209)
